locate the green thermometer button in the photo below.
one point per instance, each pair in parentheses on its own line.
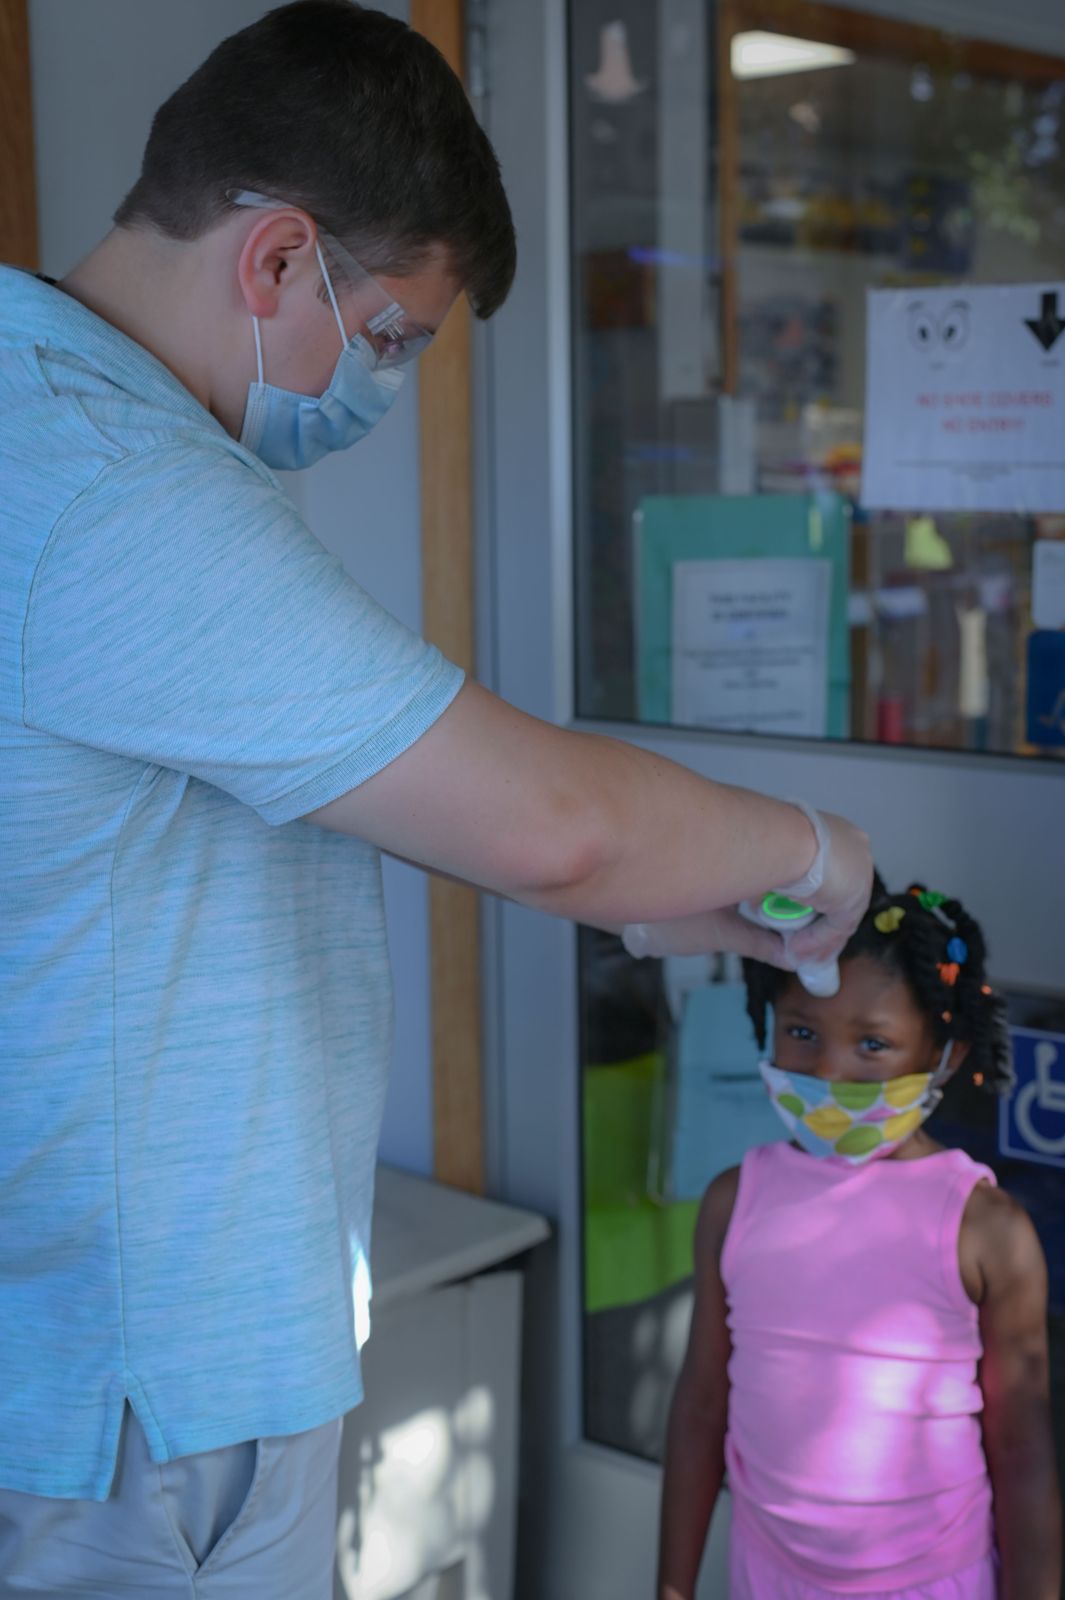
(778,908)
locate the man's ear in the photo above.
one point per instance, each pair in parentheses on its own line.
(279,244)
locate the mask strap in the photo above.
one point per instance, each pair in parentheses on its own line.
(942,1072)
(258,347)
(332,296)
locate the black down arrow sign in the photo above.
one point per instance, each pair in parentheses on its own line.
(1048,327)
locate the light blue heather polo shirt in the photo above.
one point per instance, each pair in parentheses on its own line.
(195,1002)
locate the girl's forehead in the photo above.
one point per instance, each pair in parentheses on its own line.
(869,992)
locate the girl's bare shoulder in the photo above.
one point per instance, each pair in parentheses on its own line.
(997,1242)
(715,1214)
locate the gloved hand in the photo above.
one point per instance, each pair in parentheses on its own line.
(705,932)
(838,884)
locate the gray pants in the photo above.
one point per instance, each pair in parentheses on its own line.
(255,1521)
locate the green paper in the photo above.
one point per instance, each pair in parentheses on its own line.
(926,548)
(672,528)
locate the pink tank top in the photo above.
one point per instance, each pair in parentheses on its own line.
(854,1447)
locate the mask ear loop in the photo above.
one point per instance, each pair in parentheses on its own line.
(332,302)
(939,1077)
(332,296)
(258,347)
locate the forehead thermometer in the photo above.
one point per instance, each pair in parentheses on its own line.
(786,917)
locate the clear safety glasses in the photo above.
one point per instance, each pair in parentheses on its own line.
(394,337)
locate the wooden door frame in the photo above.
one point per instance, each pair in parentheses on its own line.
(18,186)
(446,458)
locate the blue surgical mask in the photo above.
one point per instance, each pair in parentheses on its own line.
(288,430)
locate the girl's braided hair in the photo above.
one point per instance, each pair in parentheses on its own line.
(920,935)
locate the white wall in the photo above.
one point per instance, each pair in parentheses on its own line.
(100,69)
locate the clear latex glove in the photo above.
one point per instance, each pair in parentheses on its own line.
(705,932)
(838,884)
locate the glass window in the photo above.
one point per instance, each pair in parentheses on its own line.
(742,178)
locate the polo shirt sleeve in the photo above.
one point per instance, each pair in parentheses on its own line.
(182,614)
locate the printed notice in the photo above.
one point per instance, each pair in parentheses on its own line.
(965,399)
(750,645)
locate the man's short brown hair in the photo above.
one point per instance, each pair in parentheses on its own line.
(350,115)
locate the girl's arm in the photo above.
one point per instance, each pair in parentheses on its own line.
(1018,1437)
(695,1440)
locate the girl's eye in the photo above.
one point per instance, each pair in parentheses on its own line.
(800,1033)
(874,1046)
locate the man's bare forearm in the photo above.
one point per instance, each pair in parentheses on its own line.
(665,842)
(572,823)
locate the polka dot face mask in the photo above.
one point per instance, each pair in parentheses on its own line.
(854,1121)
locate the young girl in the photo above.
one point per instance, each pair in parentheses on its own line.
(868,1352)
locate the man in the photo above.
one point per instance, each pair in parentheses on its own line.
(208,732)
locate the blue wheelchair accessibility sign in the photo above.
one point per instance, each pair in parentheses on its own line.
(1031,1121)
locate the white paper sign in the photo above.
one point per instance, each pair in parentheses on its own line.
(750,645)
(1048,583)
(965,399)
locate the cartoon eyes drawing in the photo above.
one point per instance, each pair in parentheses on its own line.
(949,331)
(954,325)
(922,327)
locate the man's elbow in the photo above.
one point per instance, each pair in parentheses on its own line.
(555,862)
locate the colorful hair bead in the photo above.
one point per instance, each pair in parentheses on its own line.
(957,950)
(888,921)
(933,901)
(948,1016)
(948,972)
